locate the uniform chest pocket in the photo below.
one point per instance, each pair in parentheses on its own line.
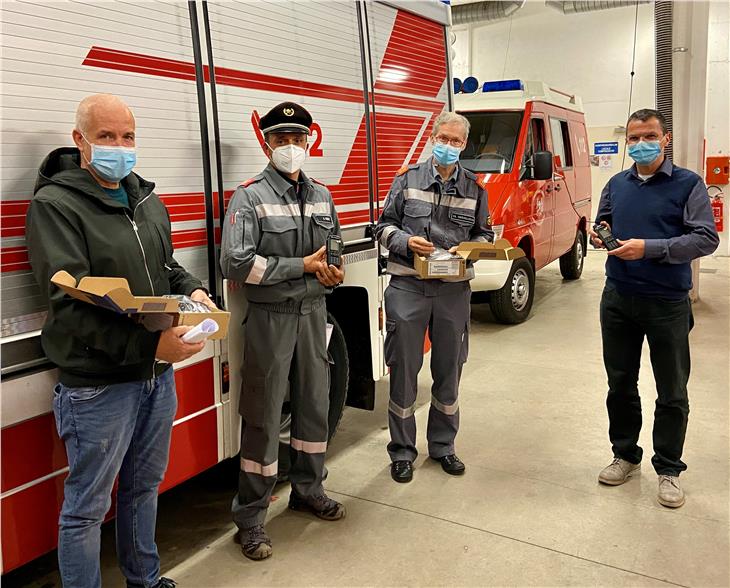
(279,236)
(462,218)
(416,216)
(323,221)
(322,225)
(278,224)
(417,209)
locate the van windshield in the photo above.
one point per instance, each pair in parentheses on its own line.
(492,141)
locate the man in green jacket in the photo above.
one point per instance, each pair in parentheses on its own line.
(115,400)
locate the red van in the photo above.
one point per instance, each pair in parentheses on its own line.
(528,143)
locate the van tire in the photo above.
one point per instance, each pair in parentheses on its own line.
(339,378)
(571,263)
(511,304)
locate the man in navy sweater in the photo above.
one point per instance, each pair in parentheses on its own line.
(661,215)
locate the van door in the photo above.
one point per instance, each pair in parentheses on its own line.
(563,184)
(539,194)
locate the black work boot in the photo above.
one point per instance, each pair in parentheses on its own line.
(321,506)
(255,543)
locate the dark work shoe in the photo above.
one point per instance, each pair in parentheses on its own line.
(401,471)
(451,464)
(165,583)
(321,506)
(255,543)
(161,583)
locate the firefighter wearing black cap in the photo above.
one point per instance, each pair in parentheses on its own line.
(274,241)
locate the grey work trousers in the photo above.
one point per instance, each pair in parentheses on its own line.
(283,353)
(444,310)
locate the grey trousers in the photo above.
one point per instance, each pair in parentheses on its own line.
(444,310)
(283,353)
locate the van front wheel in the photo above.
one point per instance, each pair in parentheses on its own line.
(511,304)
(571,263)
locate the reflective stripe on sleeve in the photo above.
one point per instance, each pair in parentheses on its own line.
(257,270)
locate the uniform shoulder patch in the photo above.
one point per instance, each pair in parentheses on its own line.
(402,170)
(469,174)
(250,181)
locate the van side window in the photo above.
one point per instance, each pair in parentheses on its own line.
(535,138)
(537,125)
(561,142)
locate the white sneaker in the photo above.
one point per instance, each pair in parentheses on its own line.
(618,472)
(670,492)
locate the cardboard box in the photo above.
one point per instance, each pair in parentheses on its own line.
(114,294)
(455,268)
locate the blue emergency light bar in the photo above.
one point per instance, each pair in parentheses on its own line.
(471,85)
(503,86)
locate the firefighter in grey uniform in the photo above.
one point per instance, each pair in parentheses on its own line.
(274,240)
(433,204)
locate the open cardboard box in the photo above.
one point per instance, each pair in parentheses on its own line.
(455,268)
(113,294)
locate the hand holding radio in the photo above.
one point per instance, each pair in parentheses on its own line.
(629,250)
(602,238)
(332,273)
(315,262)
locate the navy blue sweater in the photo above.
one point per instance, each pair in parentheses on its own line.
(671,211)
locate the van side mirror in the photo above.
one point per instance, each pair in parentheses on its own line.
(540,166)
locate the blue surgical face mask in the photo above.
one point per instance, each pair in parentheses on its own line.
(112,164)
(446,154)
(645,152)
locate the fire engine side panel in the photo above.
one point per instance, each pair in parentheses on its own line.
(54,54)
(266,53)
(411,87)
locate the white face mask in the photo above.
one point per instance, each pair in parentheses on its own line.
(288,159)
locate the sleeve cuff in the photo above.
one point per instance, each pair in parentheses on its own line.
(189,291)
(654,248)
(295,267)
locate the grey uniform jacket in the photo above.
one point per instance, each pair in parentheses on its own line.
(446,214)
(266,235)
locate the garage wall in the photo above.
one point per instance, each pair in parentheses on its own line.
(718,97)
(589,54)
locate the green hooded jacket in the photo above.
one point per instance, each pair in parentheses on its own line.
(73,225)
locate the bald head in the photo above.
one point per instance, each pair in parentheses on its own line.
(101,107)
(105,120)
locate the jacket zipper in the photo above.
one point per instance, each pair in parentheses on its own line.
(147,269)
(139,241)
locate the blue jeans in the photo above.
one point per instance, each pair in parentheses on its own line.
(119,429)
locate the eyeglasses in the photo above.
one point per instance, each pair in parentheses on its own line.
(446,141)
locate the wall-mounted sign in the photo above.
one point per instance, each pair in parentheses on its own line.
(610,147)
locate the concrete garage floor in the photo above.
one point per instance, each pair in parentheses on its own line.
(529,510)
